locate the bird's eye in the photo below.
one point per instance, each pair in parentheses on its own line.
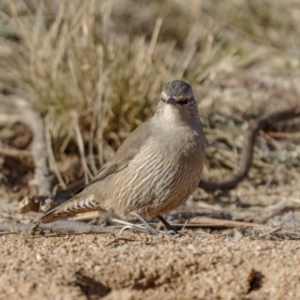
(183,101)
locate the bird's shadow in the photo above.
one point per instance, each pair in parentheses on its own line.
(90,287)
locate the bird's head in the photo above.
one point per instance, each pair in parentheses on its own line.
(177,103)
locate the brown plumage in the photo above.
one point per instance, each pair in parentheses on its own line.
(155,170)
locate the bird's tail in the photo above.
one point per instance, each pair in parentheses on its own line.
(76,205)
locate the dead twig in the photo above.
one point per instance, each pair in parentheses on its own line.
(9,151)
(285,135)
(36,203)
(117,239)
(219,223)
(52,161)
(248,145)
(87,174)
(273,230)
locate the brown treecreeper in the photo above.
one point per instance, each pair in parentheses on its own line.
(155,170)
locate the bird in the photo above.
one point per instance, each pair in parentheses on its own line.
(155,170)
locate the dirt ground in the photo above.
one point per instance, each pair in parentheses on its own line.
(136,266)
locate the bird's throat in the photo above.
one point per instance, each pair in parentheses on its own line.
(171,115)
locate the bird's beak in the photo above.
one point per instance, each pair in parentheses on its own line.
(171,101)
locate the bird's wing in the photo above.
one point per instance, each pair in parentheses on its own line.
(125,153)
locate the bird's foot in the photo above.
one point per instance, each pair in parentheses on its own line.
(149,227)
(137,229)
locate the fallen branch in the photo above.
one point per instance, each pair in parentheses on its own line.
(23,112)
(248,145)
(39,151)
(61,226)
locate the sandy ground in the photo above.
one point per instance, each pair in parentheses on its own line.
(137,266)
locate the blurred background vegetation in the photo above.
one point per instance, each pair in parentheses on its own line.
(94,70)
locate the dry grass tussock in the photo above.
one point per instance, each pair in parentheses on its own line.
(94,71)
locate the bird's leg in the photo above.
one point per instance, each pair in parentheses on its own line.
(171,229)
(150,229)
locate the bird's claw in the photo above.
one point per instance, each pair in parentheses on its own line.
(136,229)
(172,232)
